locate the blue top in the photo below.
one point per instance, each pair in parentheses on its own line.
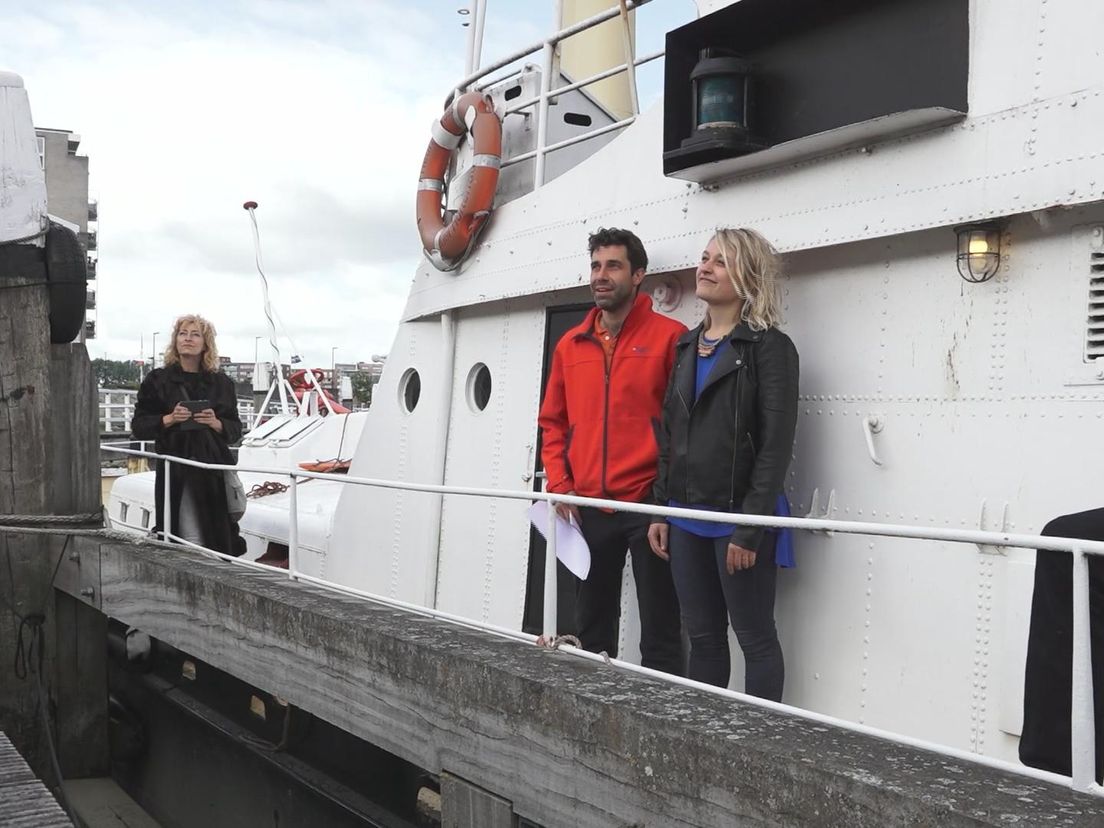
(783,552)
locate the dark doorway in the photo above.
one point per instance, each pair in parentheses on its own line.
(558,321)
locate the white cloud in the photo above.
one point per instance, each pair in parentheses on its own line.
(317,109)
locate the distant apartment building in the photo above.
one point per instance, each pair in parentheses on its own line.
(67,199)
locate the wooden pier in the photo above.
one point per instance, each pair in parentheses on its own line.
(515,730)
(509,730)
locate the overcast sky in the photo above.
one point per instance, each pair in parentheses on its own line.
(317,109)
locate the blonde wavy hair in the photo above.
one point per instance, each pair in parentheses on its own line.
(210,358)
(755,269)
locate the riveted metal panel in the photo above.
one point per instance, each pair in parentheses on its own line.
(484,542)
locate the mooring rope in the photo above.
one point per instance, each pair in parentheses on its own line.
(87,519)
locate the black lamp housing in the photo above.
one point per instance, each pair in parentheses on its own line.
(721,104)
(979,250)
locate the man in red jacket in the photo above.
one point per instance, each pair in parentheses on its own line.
(599,417)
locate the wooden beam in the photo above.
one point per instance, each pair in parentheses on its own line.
(566,741)
(80,632)
(25,410)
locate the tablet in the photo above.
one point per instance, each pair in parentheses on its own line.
(193,406)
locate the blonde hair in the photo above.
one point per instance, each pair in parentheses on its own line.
(755,269)
(210,358)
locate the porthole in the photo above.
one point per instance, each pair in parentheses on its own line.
(577,119)
(479,387)
(410,389)
(145,518)
(123,509)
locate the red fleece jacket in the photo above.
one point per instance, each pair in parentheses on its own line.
(600,429)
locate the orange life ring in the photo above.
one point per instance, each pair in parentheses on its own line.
(447,244)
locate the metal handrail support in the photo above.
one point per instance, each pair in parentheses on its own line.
(542,114)
(293,527)
(549,48)
(555,38)
(627,42)
(846,527)
(1083,733)
(166,509)
(550,579)
(1082,724)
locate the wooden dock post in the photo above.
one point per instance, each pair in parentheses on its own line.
(49,465)
(25,560)
(80,632)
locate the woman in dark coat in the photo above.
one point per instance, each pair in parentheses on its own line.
(198,508)
(725,445)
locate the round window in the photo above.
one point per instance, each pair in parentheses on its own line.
(410,389)
(479,387)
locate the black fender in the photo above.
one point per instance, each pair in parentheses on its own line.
(67,277)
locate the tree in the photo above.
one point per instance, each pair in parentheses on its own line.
(113,373)
(362,387)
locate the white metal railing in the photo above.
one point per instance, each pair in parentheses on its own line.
(547,48)
(1083,759)
(117,410)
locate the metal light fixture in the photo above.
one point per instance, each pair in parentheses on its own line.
(979,251)
(721,102)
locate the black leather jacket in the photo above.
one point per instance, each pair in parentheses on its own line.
(729,449)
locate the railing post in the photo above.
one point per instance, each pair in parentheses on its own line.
(547,61)
(630,57)
(166,512)
(550,580)
(1082,725)
(293,528)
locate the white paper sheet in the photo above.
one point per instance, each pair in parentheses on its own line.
(571,548)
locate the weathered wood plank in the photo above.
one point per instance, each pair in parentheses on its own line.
(25,407)
(24,801)
(567,742)
(464,805)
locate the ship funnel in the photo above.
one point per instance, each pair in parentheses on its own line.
(595,50)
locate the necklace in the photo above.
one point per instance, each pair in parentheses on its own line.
(707,346)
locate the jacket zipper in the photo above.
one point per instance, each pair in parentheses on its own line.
(605,409)
(605,418)
(735,445)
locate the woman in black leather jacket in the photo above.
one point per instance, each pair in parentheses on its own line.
(725,445)
(198,508)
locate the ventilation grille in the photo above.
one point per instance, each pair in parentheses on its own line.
(1094,335)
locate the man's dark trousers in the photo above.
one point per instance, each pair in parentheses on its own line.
(598,599)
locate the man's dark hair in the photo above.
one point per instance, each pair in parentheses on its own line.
(610,236)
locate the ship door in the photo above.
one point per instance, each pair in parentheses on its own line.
(558,321)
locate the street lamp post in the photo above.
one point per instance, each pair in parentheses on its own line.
(153,362)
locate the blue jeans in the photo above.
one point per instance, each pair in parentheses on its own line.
(710,598)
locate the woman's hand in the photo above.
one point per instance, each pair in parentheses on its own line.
(207,417)
(739,558)
(657,537)
(178,415)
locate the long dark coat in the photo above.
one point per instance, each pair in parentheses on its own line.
(1048,685)
(161,390)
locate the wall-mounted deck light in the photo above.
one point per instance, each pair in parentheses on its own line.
(978,250)
(721,103)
